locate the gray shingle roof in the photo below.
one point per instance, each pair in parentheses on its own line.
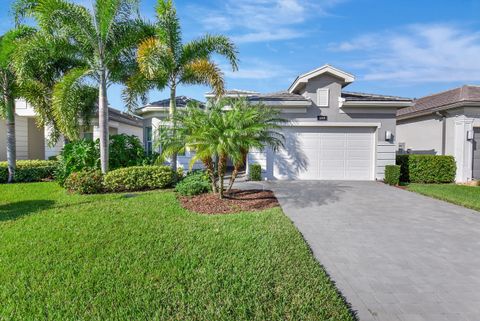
(443,100)
(278,96)
(355,96)
(181,101)
(117,115)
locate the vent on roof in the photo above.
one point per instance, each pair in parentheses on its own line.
(323,97)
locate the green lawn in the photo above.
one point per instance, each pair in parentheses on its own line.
(468,196)
(108,257)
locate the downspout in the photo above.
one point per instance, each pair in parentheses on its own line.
(444,131)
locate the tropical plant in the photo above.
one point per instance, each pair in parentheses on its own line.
(165,61)
(104,39)
(77,156)
(219,134)
(125,151)
(10,91)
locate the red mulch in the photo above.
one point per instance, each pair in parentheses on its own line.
(233,202)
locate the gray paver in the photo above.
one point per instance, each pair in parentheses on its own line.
(396,254)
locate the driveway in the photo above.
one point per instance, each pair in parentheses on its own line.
(393,254)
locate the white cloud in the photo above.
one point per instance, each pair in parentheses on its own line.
(262,20)
(418,53)
(258,70)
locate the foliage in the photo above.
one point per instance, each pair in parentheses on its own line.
(196,182)
(255,172)
(139,178)
(125,151)
(29,170)
(427,168)
(75,157)
(217,133)
(463,195)
(107,257)
(86,181)
(392,175)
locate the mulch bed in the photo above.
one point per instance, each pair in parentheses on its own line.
(234,201)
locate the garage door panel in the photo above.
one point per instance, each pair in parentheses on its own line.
(330,153)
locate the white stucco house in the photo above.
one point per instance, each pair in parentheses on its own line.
(446,123)
(32,141)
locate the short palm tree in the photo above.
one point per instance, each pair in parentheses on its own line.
(104,39)
(10,90)
(165,61)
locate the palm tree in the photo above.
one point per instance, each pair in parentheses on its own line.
(104,39)
(165,61)
(10,91)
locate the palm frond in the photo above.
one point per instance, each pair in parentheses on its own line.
(204,72)
(155,59)
(169,31)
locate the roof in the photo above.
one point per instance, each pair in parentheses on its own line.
(278,96)
(181,101)
(355,96)
(325,69)
(443,100)
(234,93)
(122,117)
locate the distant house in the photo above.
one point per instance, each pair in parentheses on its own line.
(32,140)
(446,123)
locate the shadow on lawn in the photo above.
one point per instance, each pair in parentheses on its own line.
(13,211)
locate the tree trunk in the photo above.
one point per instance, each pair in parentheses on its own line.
(11,143)
(103,121)
(208,162)
(236,169)
(173,107)
(222,166)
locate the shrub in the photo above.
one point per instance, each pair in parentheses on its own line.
(255,172)
(196,182)
(85,182)
(77,156)
(29,170)
(139,178)
(426,168)
(392,174)
(125,151)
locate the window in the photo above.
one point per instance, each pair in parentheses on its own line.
(148,140)
(323,97)
(88,136)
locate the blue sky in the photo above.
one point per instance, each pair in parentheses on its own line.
(405,48)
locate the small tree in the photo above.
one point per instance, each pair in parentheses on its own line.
(165,61)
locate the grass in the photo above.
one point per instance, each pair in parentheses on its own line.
(109,257)
(467,196)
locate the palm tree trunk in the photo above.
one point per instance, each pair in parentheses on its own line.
(208,162)
(103,121)
(173,107)
(11,143)
(222,165)
(236,169)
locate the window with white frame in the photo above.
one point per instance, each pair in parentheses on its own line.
(323,95)
(148,140)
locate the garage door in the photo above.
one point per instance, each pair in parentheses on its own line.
(326,153)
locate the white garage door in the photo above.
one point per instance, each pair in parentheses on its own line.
(326,153)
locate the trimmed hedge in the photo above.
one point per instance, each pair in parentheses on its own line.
(195,183)
(29,170)
(255,172)
(85,182)
(392,175)
(139,178)
(426,168)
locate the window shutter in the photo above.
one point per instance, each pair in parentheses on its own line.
(323,97)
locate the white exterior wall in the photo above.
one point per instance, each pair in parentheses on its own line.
(422,135)
(386,155)
(55,149)
(131,130)
(21,133)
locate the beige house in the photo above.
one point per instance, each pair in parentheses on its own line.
(32,141)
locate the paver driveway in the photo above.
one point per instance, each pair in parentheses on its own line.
(394,254)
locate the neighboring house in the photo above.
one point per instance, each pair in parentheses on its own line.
(332,134)
(32,141)
(156,114)
(447,123)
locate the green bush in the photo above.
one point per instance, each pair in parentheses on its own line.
(255,172)
(75,157)
(125,151)
(85,182)
(392,174)
(426,168)
(196,182)
(29,170)
(139,178)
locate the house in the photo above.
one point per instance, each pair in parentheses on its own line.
(32,141)
(446,123)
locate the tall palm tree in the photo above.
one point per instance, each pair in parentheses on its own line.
(165,61)
(10,91)
(104,38)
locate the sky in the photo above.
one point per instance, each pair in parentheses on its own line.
(405,48)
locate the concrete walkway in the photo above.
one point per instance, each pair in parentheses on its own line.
(394,254)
